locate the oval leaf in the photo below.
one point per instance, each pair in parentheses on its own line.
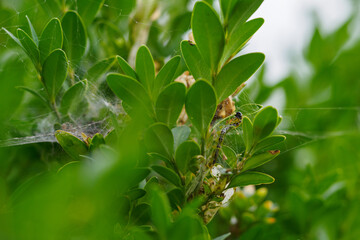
(200,105)
(73,96)
(71,144)
(51,38)
(125,67)
(132,93)
(259,160)
(74,36)
(250,178)
(168,174)
(159,139)
(145,68)
(184,154)
(208,34)
(30,47)
(237,71)
(166,75)
(54,72)
(265,122)
(268,142)
(32,31)
(181,134)
(195,62)
(170,103)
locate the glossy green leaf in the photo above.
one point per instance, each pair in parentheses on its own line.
(259,160)
(170,103)
(195,62)
(168,174)
(160,211)
(132,93)
(125,67)
(30,47)
(145,68)
(247,133)
(240,37)
(33,35)
(208,34)
(185,153)
(237,71)
(75,38)
(73,96)
(242,11)
(227,6)
(181,134)
(71,144)
(230,155)
(51,38)
(101,67)
(166,75)
(159,139)
(54,72)
(265,122)
(201,105)
(250,178)
(268,142)
(88,9)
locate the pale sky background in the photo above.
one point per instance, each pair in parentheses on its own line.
(288,28)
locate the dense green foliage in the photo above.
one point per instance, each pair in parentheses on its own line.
(94,143)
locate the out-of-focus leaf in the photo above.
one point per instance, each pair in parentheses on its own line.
(181,134)
(176,197)
(168,174)
(159,139)
(51,38)
(54,72)
(200,105)
(88,9)
(268,142)
(73,96)
(250,178)
(247,133)
(140,214)
(71,144)
(259,159)
(145,68)
(32,31)
(170,103)
(208,34)
(194,61)
(75,38)
(135,194)
(184,154)
(96,141)
(160,211)
(30,47)
(237,71)
(96,71)
(230,155)
(223,237)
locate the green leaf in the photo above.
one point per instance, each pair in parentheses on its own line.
(265,123)
(181,134)
(34,93)
(185,153)
(71,144)
(54,72)
(259,159)
(166,75)
(145,68)
(227,6)
(208,34)
(135,194)
(159,139)
(237,71)
(96,141)
(247,133)
(230,155)
(30,47)
(250,178)
(170,103)
(223,237)
(132,93)
(200,105)
(88,9)
(75,38)
(13,37)
(176,197)
(160,211)
(168,174)
(242,11)
(268,142)
(96,71)
(140,214)
(125,67)
(51,38)
(73,96)
(32,31)
(195,62)
(239,38)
